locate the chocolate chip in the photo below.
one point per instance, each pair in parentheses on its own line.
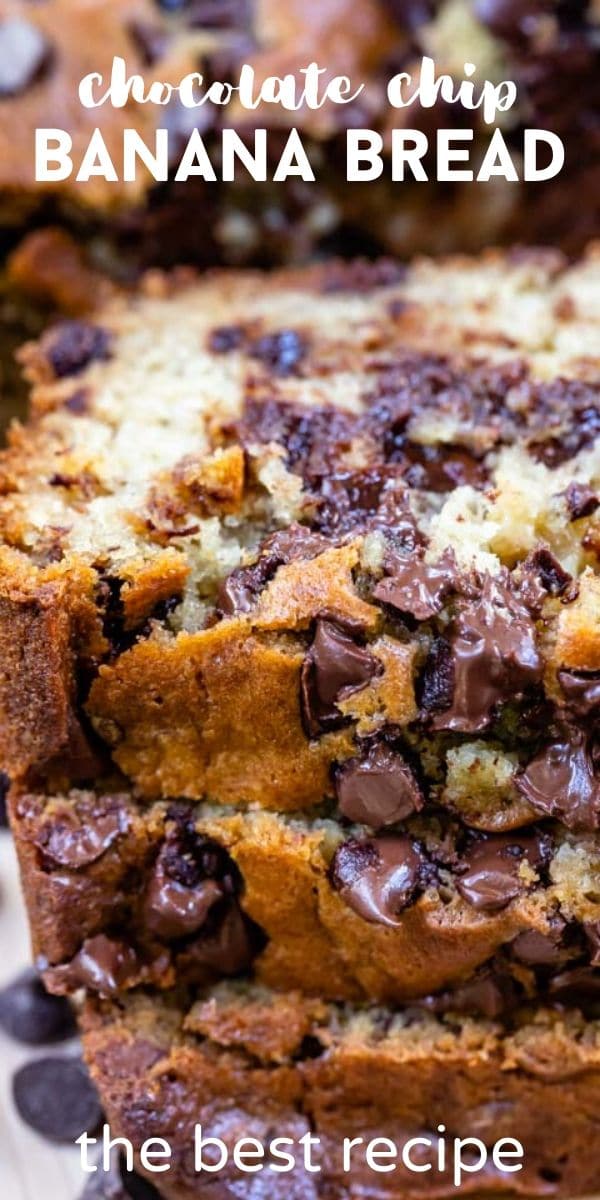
(581,500)
(366,500)
(56,1097)
(334,668)
(73,839)
(442,468)
(582,690)
(378,789)
(281,352)
(490,994)
(561,782)
(435,685)
(228,948)
(553,578)
(580,984)
(25,54)
(379,878)
(30,1015)
(491,878)
(416,587)
(189,858)
(314,439)
(173,910)
(579,401)
(226,338)
(104,965)
(239,592)
(494,656)
(536,949)
(71,345)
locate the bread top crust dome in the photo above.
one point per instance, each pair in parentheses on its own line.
(308,495)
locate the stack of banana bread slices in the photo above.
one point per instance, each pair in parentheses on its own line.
(299,697)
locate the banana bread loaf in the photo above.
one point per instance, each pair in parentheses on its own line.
(121,894)
(243,1062)
(333,534)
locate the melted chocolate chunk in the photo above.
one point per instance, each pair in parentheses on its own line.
(552,577)
(378,789)
(71,345)
(25,54)
(334,668)
(442,468)
(56,1097)
(535,949)
(104,965)
(490,994)
(578,424)
(173,910)
(494,656)
(375,498)
(561,782)
(32,1016)
(379,878)
(241,589)
(581,500)
(580,984)
(491,878)
(68,839)
(416,587)
(435,685)
(582,691)
(229,946)
(314,439)
(191,875)
(280,352)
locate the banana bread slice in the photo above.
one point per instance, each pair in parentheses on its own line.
(322,534)
(121,894)
(549,50)
(245,1062)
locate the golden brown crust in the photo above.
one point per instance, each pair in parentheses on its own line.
(47,620)
(212,685)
